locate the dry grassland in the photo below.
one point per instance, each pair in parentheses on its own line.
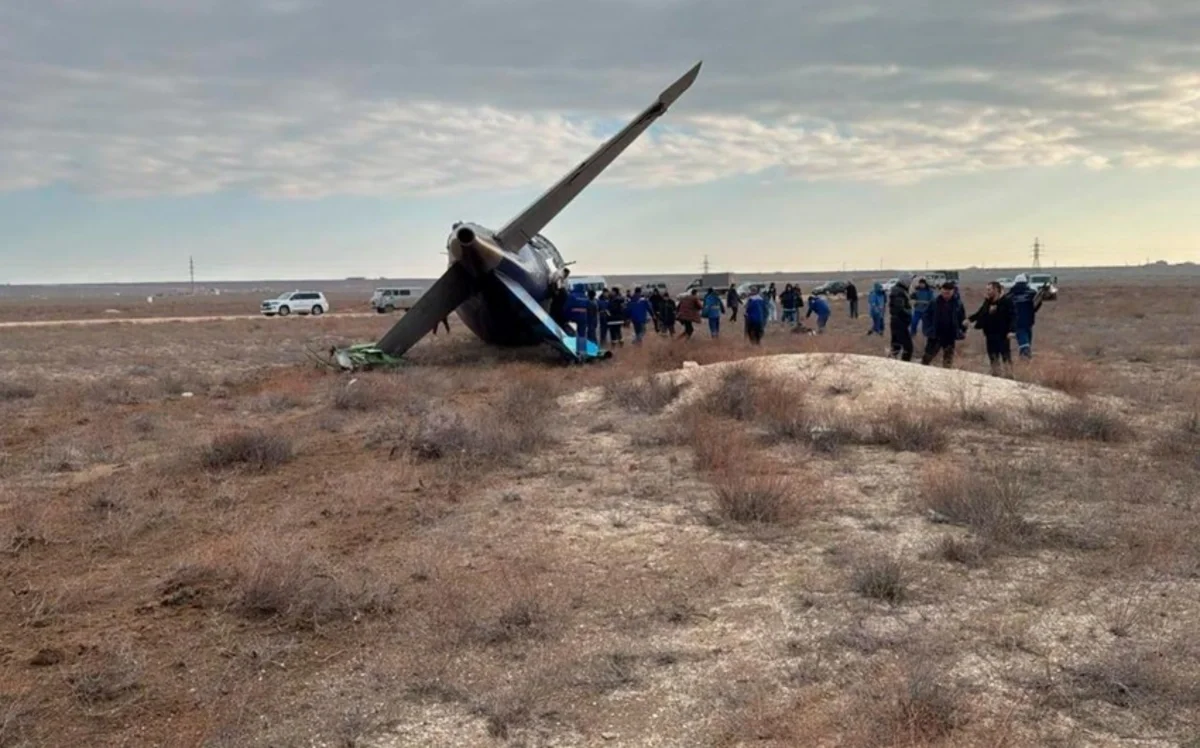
(824,550)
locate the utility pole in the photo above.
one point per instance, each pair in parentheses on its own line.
(1037,254)
(192,273)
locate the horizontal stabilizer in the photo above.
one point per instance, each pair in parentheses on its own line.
(524,227)
(555,335)
(454,287)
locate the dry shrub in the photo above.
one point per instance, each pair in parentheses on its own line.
(757,499)
(881,578)
(718,447)
(917,705)
(1073,376)
(911,430)
(107,678)
(11,391)
(443,434)
(990,500)
(1132,677)
(1183,440)
(969,553)
(255,449)
(735,395)
(304,592)
(1085,420)
(645,395)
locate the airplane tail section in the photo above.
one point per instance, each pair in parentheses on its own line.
(529,223)
(555,335)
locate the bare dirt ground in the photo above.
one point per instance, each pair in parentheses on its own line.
(823,547)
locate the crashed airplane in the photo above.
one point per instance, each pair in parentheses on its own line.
(501,283)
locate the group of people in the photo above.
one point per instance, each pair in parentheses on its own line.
(602,316)
(942,319)
(939,314)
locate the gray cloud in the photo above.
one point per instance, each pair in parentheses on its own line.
(311,97)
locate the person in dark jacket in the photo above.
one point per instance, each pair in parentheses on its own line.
(852,299)
(656,300)
(995,319)
(946,317)
(602,315)
(732,302)
(900,317)
(791,302)
(616,317)
(593,317)
(668,314)
(1026,302)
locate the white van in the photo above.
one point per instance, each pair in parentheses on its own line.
(589,282)
(390,299)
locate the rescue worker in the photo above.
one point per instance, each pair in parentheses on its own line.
(616,317)
(577,315)
(852,299)
(755,316)
(602,313)
(639,313)
(733,301)
(713,309)
(922,296)
(945,318)
(689,313)
(1026,303)
(900,314)
(877,306)
(995,319)
(819,307)
(593,317)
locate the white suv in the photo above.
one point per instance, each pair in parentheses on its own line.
(299,302)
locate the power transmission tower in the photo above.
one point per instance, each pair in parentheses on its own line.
(192,273)
(1037,254)
(706,264)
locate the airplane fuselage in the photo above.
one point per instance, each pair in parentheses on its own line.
(492,313)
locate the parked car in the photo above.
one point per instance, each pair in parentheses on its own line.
(829,288)
(390,299)
(745,289)
(1047,282)
(298,302)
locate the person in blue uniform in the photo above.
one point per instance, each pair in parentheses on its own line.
(819,307)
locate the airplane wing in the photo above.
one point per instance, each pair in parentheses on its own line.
(554,334)
(522,228)
(454,287)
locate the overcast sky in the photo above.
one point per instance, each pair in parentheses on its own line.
(323,138)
